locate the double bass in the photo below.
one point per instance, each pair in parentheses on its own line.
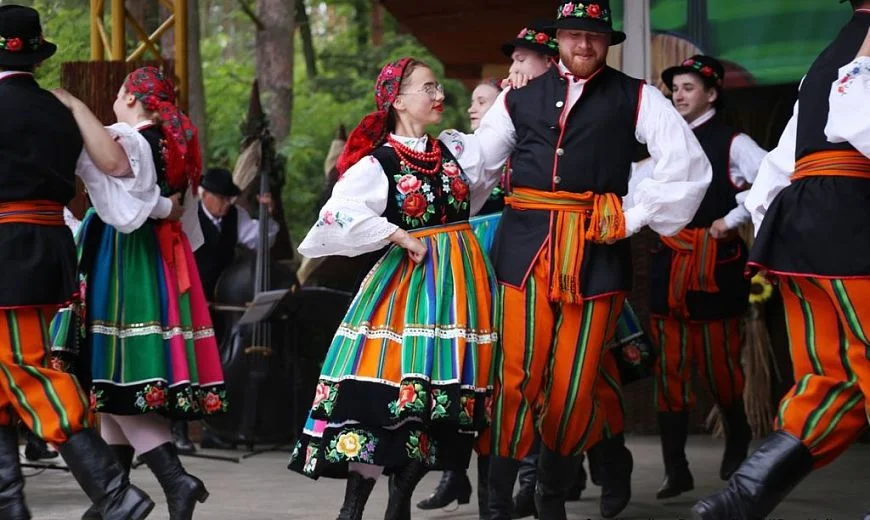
(256,358)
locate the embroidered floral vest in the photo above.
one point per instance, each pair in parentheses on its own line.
(418,200)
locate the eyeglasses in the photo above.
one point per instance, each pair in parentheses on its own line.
(430,89)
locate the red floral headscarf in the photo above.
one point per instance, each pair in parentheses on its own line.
(372,130)
(181,153)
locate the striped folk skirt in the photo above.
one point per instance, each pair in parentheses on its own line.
(408,374)
(485,227)
(142,337)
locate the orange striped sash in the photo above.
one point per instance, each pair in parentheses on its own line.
(834,163)
(579,217)
(693,266)
(39,212)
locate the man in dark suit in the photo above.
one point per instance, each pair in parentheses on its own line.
(224,227)
(39,147)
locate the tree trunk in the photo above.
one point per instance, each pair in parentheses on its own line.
(377,23)
(361,22)
(274,59)
(304,24)
(196,87)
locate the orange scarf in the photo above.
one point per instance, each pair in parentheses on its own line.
(579,217)
(693,266)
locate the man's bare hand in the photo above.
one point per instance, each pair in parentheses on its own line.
(719,228)
(177,208)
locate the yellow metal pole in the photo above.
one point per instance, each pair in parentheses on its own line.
(96,19)
(119,44)
(181,50)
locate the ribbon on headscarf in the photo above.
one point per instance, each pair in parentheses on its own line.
(372,129)
(693,266)
(181,153)
(170,239)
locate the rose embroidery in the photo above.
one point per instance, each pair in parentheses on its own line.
(324,397)
(567,9)
(451,169)
(212,403)
(155,397)
(414,205)
(328,218)
(352,445)
(459,189)
(412,398)
(408,184)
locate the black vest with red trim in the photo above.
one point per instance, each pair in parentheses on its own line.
(418,200)
(715,137)
(732,298)
(818,225)
(40,146)
(591,152)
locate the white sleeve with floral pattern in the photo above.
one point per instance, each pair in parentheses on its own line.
(849,114)
(351,222)
(466,149)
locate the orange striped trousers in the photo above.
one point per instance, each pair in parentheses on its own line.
(547,374)
(49,401)
(828,325)
(712,347)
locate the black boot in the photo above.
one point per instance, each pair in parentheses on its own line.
(502,476)
(100,476)
(454,485)
(524,500)
(12,505)
(356,494)
(181,439)
(673,429)
(552,486)
(182,490)
(614,463)
(124,456)
(579,485)
(402,484)
(37,449)
(483,487)
(738,435)
(211,441)
(761,482)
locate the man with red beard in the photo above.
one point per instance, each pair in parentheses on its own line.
(560,255)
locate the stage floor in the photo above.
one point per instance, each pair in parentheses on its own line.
(261,488)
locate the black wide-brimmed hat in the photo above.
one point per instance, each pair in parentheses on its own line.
(588,15)
(220,182)
(21,41)
(712,72)
(537,36)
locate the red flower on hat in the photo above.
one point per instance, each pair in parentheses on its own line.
(707,71)
(541,38)
(14,44)
(593,10)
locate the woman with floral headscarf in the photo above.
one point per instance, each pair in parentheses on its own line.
(406,383)
(147,346)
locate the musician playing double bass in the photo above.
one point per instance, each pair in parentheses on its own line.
(224,227)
